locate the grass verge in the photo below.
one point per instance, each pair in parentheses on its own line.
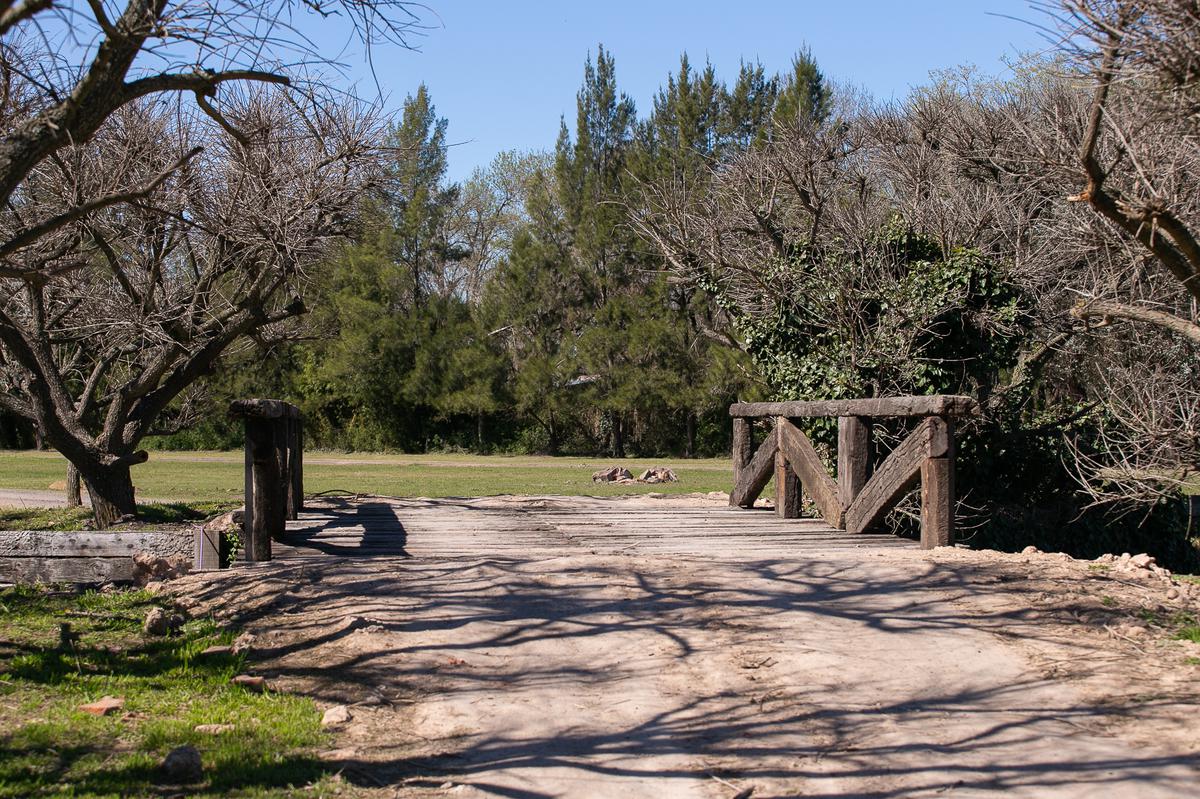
(218,476)
(59,651)
(160,514)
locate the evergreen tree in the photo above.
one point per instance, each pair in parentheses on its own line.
(805,96)
(419,197)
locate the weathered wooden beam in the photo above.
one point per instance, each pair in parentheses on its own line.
(895,477)
(263,409)
(48,543)
(788,497)
(756,474)
(807,465)
(207,549)
(937,490)
(743,449)
(937,405)
(295,466)
(265,503)
(854,457)
(65,570)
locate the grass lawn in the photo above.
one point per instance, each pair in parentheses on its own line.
(50,748)
(217,476)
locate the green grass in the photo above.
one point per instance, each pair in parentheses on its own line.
(149,516)
(217,476)
(49,748)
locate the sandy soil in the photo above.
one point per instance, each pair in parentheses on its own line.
(864,673)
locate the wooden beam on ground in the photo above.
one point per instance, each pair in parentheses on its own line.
(807,465)
(756,474)
(937,405)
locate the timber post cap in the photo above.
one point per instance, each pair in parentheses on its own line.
(933,405)
(263,409)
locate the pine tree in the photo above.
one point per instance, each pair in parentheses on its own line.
(806,96)
(418,195)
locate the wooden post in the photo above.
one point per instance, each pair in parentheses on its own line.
(743,449)
(787,489)
(265,509)
(207,553)
(295,470)
(853,457)
(937,487)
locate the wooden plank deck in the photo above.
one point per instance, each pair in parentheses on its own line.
(550,526)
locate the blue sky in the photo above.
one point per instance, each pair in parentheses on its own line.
(504,72)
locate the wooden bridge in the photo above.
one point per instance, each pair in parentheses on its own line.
(851,506)
(550,526)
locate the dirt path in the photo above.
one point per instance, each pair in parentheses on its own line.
(868,673)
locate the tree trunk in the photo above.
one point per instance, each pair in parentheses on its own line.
(479,432)
(689,446)
(552,434)
(74,499)
(111,491)
(618,436)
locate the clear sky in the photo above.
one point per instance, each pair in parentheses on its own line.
(503,72)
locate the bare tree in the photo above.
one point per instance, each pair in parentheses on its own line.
(143,235)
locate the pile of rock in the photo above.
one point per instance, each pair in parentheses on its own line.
(1135,565)
(622,476)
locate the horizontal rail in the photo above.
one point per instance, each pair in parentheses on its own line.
(936,405)
(263,409)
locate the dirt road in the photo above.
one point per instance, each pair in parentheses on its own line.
(868,673)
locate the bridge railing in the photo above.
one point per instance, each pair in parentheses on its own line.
(274,471)
(860,496)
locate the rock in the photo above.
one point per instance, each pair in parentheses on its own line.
(1106,558)
(251,682)
(148,567)
(1030,550)
(656,495)
(1173,593)
(216,651)
(230,522)
(104,705)
(158,622)
(183,764)
(1142,561)
(338,714)
(611,474)
(213,729)
(658,474)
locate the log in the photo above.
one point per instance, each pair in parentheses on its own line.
(937,405)
(808,467)
(854,457)
(788,498)
(756,474)
(895,477)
